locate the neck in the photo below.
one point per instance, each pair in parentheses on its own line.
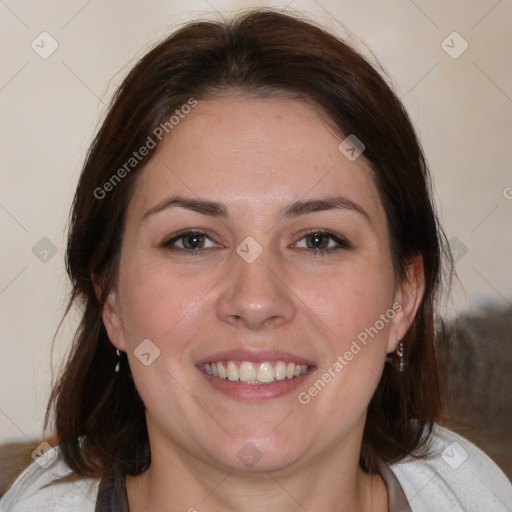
(179,481)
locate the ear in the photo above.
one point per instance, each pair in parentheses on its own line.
(111,315)
(112,320)
(408,296)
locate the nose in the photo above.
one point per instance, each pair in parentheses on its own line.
(255,295)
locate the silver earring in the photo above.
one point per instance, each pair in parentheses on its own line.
(400,353)
(401,358)
(118,364)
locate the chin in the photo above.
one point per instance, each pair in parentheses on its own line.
(253,453)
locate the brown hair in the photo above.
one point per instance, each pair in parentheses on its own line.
(98,414)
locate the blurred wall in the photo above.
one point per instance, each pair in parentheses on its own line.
(61,61)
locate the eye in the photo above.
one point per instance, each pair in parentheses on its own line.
(321,242)
(190,241)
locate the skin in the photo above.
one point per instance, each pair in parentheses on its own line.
(256,157)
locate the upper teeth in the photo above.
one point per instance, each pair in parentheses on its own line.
(255,373)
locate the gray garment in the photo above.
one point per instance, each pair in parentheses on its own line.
(397,499)
(112,495)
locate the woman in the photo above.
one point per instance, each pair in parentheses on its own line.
(256,251)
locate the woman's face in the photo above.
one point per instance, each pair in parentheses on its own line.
(287,270)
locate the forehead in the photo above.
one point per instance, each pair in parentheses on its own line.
(261,153)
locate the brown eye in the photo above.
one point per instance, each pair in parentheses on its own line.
(192,241)
(195,241)
(318,241)
(323,242)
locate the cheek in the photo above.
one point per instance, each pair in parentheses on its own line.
(155,300)
(349,308)
(165,308)
(348,303)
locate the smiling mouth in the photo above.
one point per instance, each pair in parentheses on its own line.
(251,373)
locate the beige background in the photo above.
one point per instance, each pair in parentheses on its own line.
(51,108)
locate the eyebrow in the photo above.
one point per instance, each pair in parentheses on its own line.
(197,205)
(296,209)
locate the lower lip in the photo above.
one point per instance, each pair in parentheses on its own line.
(255,392)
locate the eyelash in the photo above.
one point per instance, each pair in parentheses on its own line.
(341,241)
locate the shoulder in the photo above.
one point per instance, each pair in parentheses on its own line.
(30,492)
(456,477)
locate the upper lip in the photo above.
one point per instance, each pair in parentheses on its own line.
(255,356)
